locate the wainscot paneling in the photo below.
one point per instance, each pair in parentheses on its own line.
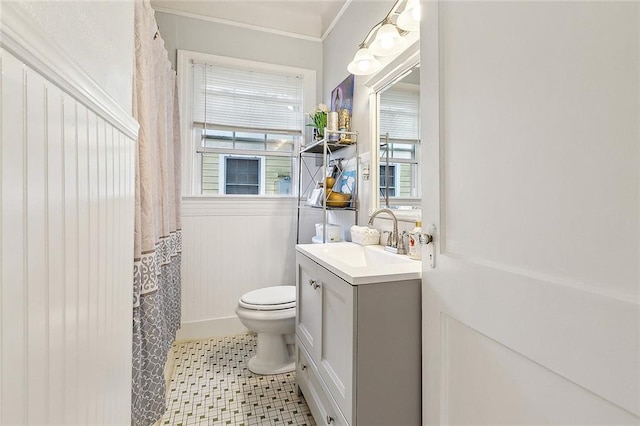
(232,245)
(66,253)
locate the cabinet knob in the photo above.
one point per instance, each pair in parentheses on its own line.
(312,282)
(304,367)
(329,419)
(316,285)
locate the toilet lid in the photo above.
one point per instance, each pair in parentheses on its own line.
(270,298)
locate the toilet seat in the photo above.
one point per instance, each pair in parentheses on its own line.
(270,298)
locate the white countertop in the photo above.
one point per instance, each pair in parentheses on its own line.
(358,264)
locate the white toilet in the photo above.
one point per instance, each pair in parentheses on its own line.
(270,312)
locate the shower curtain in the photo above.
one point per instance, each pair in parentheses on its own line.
(156,292)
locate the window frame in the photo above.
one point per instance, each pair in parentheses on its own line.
(191,166)
(396,179)
(222,185)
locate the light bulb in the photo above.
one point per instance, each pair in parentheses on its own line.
(415,13)
(388,41)
(409,19)
(364,63)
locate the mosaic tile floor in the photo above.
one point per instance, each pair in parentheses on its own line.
(211,385)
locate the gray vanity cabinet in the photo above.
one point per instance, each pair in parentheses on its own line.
(358,348)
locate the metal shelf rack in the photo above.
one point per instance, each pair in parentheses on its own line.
(316,173)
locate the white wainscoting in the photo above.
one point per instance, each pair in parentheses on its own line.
(232,245)
(66,253)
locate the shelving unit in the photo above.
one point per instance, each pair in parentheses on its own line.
(307,162)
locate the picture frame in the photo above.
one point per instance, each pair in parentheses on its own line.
(342,95)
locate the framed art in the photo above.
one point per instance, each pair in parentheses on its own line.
(342,96)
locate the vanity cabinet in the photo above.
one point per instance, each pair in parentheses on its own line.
(358,348)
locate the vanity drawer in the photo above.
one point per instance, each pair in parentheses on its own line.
(325,411)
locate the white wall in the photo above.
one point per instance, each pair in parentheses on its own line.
(67,154)
(98,35)
(231,247)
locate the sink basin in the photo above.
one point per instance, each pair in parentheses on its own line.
(356,255)
(358,264)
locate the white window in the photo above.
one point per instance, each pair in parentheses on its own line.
(242,175)
(400,140)
(388,180)
(244,123)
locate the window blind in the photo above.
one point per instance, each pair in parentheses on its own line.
(399,114)
(248,100)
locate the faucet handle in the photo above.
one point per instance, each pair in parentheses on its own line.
(393,239)
(401,246)
(389,237)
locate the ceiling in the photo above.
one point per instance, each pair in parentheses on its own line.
(306,18)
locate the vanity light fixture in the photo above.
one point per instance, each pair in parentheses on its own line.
(409,19)
(364,63)
(388,39)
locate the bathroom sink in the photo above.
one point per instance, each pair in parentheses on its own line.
(356,255)
(358,264)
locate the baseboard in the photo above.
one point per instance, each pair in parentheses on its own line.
(216,327)
(169,366)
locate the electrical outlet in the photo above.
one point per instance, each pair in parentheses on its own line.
(366,172)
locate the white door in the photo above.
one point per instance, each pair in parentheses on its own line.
(531,154)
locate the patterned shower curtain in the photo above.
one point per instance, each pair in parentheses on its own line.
(156,292)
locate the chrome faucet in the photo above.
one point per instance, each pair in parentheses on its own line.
(393,238)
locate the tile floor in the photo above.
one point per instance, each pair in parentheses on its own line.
(211,385)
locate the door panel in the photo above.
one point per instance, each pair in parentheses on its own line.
(543,139)
(531,178)
(309,306)
(550,397)
(583,336)
(336,364)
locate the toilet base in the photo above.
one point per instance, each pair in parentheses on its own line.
(258,367)
(273,355)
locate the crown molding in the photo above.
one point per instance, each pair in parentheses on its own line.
(335,20)
(236,24)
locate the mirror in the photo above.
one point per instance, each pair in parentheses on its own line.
(398,116)
(401,179)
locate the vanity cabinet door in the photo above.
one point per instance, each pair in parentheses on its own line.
(322,406)
(338,340)
(309,306)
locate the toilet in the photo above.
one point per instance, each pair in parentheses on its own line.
(270,312)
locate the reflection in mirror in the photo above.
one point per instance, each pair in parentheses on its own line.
(399,147)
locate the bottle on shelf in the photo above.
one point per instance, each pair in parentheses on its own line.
(415,242)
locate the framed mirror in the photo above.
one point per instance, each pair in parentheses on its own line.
(395,129)
(399,143)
